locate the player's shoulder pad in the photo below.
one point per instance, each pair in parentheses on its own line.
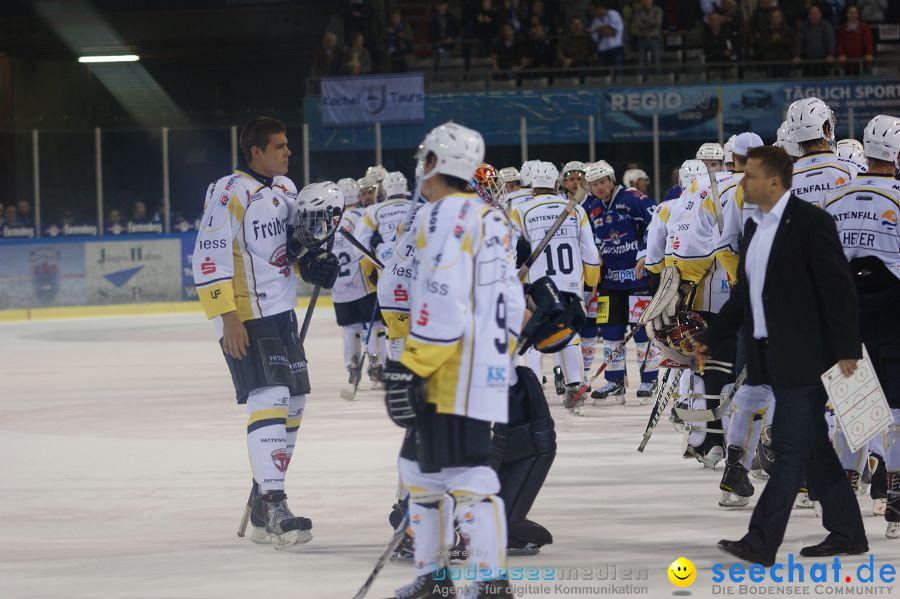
(285,184)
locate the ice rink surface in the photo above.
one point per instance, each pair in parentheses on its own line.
(125,475)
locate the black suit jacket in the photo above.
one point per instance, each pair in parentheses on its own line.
(809,299)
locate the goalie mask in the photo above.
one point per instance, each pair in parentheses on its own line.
(556,318)
(678,340)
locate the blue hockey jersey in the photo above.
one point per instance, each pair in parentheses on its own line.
(620,233)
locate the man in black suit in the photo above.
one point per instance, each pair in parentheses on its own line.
(796,296)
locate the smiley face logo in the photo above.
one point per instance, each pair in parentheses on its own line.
(682,572)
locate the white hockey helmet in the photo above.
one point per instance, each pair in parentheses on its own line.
(367,183)
(544,175)
(852,150)
(710,151)
(632,176)
(881,139)
(746,141)
(349,188)
(807,118)
(394,184)
(377,172)
(526,170)
(573,166)
(689,171)
(459,150)
(598,170)
(318,214)
(509,174)
(420,169)
(785,141)
(728,150)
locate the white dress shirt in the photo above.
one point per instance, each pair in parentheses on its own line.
(758,260)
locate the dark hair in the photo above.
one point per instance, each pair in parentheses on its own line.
(449,180)
(257,133)
(775,162)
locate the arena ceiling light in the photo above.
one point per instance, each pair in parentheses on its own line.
(111,58)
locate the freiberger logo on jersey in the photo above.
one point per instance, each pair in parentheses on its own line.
(271,228)
(280,459)
(279,260)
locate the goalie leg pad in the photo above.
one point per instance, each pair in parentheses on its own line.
(664,303)
(752,403)
(426,491)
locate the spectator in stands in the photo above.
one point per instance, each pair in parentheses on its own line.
(509,52)
(360,17)
(11,217)
(575,48)
(486,27)
(114,224)
(515,12)
(359,61)
(730,14)
(815,43)
(539,13)
(721,42)
(444,29)
(606,30)
(854,42)
(646,28)
(541,54)
(775,42)
(329,57)
(708,7)
(23,208)
(760,22)
(399,42)
(872,11)
(571,9)
(139,214)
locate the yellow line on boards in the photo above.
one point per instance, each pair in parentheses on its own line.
(124,310)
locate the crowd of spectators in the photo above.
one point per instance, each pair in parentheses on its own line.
(16,221)
(522,34)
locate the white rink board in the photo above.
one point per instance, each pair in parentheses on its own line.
(124,474)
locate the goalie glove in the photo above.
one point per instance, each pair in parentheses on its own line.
(671,297)
(404,393)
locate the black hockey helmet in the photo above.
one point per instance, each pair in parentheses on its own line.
(556,317)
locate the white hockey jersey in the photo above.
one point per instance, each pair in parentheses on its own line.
(239,259)
(691,238)
(394,280)
(819,173)
(351,283)
(866,213)
(466,307)
(517,198)
(385,218)
(571,259)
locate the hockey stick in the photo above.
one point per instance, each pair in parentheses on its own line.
(615,352)
(570,205)
(350,394)
(245,519)
(383,558)
(363,249)
(662,402)
(307,318)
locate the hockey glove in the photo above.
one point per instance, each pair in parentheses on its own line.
(523,251)
(319,267)
(376,240)
(404,393)
(294,247)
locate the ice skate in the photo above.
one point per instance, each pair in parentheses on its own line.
(281,528)
(756,470)
(376,376)
(354,370)
(404,551)
(559,381)
(427,586)
(803,501)
(645,392)
(610,394)
(879,506)
(736,487)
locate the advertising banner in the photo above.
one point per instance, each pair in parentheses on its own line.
(121,272)
(375,99)
(37,275)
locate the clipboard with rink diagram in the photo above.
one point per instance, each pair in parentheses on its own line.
(859,403)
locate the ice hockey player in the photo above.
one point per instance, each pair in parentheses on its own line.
(866,213)
(572,179)
(570,260)
(511,187)
(712,155)
(753,405)
(818,171)
(353,292)
(728,154)
(368,189)
(246,284)
(701,290)
(377,230)
(785,141)
(619,219)
(850,150)
(486,183)
(465,301)
(377,173)
(636,181)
